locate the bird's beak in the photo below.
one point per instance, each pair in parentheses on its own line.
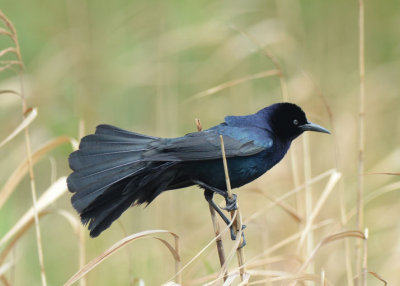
(314,127)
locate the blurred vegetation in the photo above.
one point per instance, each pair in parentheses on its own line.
(138,65)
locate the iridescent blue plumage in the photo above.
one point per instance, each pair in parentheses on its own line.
(115,168)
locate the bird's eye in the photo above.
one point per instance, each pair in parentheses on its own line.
(295,122)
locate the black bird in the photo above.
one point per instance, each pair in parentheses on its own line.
(114,168)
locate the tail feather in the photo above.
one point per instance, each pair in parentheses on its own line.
(106,129)
(110,175)
(108,207)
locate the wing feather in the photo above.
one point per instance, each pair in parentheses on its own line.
(203,145)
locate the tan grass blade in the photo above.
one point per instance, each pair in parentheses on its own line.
(378,277)
(201,251)
(21,231)
(331,238)
(4,268)
(117,246)
(231,83)
(8,50)
(5,32)
(289,278)
(22,169)
(287,241)
(284,206)
(48,197)
(386,173)
(4,91)
(27,120)
(79,231)
(322,199)
(288,194)
(376,194)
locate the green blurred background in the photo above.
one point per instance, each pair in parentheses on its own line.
(138,65)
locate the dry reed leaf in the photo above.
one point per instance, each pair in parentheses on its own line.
(231,83)
(22,169)
(4,91)
(97,260)
(17,236)
(268,273)
(6,66)
(331,238)
(4,268)
(48,197)
(27,120)
(5,32)
(289,278)
(385,173)
(287,241)
(171,283)
(231,277)
(288,194)
(287,208)
(378,277)
(322,199)
(8,50)
(376,194)
(170,248)
(274,259)
(201,251)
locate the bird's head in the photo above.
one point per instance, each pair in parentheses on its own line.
(287,121)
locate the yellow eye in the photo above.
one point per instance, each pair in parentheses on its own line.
(295,122)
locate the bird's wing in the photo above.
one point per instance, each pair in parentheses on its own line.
(204,145)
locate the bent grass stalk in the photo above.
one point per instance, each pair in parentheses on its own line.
(217,230)
(360,191)
(16,50)
(237,220)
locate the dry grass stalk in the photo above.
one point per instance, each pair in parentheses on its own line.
(120,244)
(365,259)
(308,235)
(16,50)
(322,199)
(237,221)
(217,230)
(360,192)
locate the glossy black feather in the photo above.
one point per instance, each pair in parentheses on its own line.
(115,168)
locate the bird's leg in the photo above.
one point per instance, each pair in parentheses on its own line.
(231,203)
(208,194)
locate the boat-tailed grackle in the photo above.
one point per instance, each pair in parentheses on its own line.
(114,168)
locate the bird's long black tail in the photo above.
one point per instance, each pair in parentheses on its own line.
(110,175)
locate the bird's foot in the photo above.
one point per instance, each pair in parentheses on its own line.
(233,234)
(231,203)
(233,237)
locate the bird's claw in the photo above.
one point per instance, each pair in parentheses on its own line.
(231,203)
(233,237)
